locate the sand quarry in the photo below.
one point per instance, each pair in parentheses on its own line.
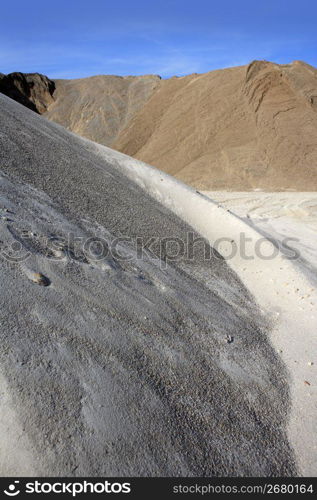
(122,365)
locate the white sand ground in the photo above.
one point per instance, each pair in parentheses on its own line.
(130,367)
(279,216)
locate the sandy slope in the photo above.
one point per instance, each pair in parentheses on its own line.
(101,106)
(131,367)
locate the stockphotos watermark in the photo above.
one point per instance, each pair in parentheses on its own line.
(64,487)
(164,487)
(125,248)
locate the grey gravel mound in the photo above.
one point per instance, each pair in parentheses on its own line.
(122,366)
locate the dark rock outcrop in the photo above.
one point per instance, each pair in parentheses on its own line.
(33,90)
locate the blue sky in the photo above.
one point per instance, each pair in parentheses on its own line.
(69,39)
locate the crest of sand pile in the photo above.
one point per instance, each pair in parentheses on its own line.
(279,288)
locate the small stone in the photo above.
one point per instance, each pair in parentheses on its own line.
(40,279)
(310,363)
(229,339)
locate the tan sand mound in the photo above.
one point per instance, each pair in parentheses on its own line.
(240,128)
